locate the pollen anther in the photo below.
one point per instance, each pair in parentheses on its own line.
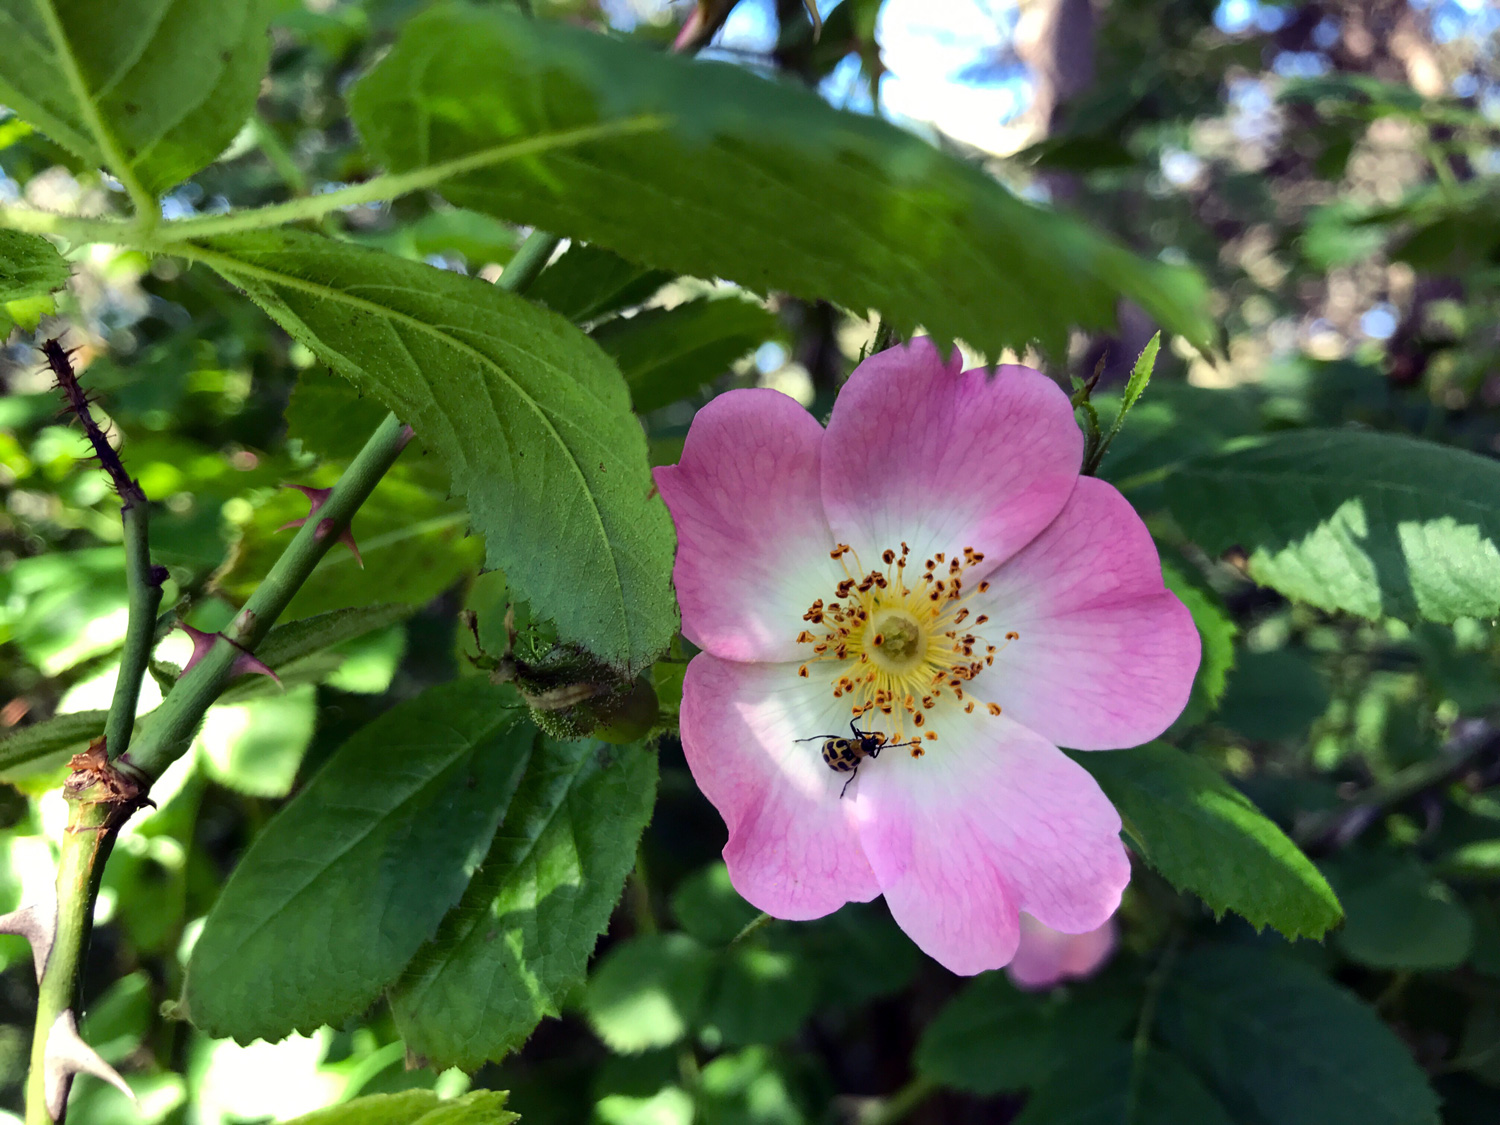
(897,641)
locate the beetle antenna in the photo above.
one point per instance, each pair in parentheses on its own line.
(817,738)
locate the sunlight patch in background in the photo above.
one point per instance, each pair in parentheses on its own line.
(952,64)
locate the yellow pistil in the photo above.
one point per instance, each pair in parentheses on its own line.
(901,640)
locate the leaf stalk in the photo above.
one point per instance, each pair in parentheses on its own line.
(146,210)
(391,185)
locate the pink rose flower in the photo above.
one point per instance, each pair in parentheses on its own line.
(1047,957)
(932,568)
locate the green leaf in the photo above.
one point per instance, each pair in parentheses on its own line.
(117,1021)
(1113,1087)
(28,311)
(532,421)
(160,85)
(1135,386)
(842,947)
(30,266)
(750,1087)
(648,992)
(479,239)
(1140,376)
(670,1105)
(707,906)
(519,941)
(992,1037)
(64,603)
(342,888)
(1273,695)
(286,644)
(256,746)
(301,651)
(590,282)
(667,354)
(58,735)
(1205,836)
(404,1108)
(480,1107)
(416,1107)
(1216,633)
(1176,423)
(413,541)
(762,183)
(331,418)
(1399,916)
(1479,1048)
(1374,524)
(1279,1042)
(759,995)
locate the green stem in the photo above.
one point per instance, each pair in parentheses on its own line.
(140,631)
(1442,169)
(1150,476)
(751,927)
(146,210)
(393,184)
(173,723)
(530,259)
(85,846)
(279,155)
(640,897)
(1146,1023)
(117,232)
(896,1107)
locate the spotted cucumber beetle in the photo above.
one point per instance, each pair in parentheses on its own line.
(844,755)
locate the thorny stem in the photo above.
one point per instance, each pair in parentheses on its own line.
(173,723)
(144,585)
(142,580)
(85,846)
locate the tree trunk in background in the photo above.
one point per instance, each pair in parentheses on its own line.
(1387,39)
(1055,39)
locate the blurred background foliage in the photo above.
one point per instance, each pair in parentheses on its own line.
(1330,166)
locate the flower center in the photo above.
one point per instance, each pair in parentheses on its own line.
(901,642)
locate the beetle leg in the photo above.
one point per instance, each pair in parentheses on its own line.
(852,775)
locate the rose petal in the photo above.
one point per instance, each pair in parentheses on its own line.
(793,847)
(917,452)
(752,543)
(1047,957)
(1106,655)
(991,821)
